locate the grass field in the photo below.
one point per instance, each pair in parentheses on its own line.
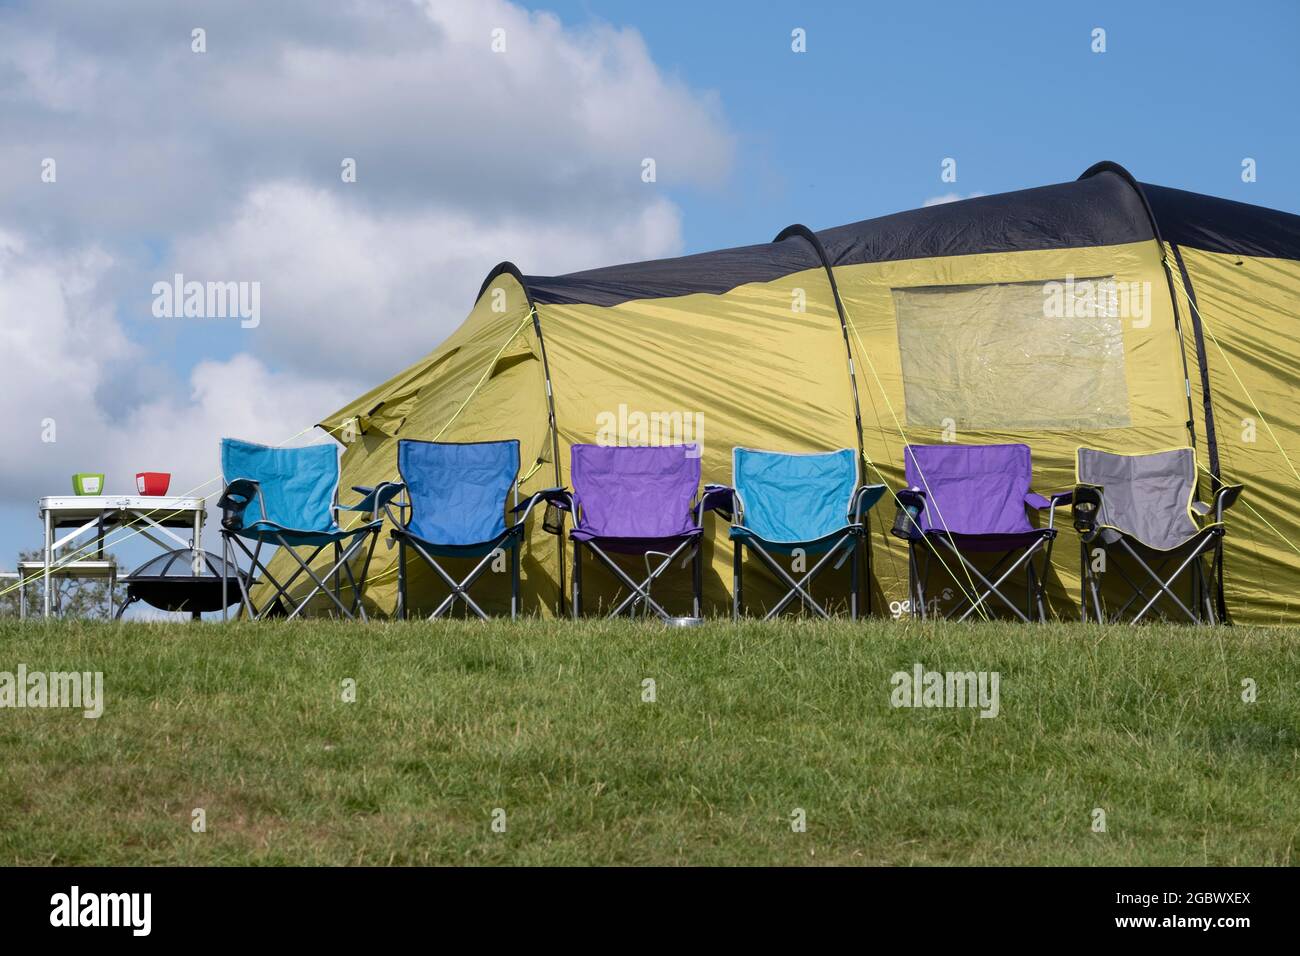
(546,721)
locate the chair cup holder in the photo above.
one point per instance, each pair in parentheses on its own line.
(553,520)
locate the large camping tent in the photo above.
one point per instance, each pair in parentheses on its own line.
(1097,312)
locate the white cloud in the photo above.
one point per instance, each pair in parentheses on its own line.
(225,166)
(70,344)
(349,290)
(556,126)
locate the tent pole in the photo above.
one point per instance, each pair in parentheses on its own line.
(1109,167)
(555,442)
(1212,447)
(1203,366)
(510,269)
(803,232)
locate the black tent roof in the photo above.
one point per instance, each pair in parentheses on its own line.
(1105,206)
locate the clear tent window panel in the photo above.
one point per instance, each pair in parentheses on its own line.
(1014,356)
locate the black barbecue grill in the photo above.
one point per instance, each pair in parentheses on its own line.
(169,583)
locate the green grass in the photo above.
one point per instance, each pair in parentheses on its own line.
(546,721)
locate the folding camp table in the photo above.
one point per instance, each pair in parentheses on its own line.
(97,515)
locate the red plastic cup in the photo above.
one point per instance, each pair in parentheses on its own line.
(152,482)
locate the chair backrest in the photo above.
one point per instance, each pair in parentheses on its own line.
(971,489)
(298,485)
(458,492)
(635,491)
(792,497)
(1147,496)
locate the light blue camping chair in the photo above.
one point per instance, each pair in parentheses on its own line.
(288,498)
(782,502)
(457,495)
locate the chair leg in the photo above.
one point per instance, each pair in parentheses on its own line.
(1164,585)
(853,579)
(638,600)
(798,588)
(1207,577)
(245,581)
(338,584)
(1211,611)
(1203,592)
(321,582)
(918,585)
(980,602)
(577,579)
(245,599)
(359,588)
(514,578)
(1088,586)
(737,582)
(697,572)
(1040,593)
(460,590)
(866,550)
(1029,589)
(225,580)
(1195,571)
(1220,603)
(357,607)
(1098,610)
(911,579)
(1083,583)
(402,606)
(1040,580)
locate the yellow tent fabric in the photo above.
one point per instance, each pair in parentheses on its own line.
(1099,312)
(1249,307)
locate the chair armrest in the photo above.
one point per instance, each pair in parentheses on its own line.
(1224,499)
(1227,496)
(373,500)
(562,498)
(864,499)
(557,500)
(719,498)
(236,498)
(1038,502)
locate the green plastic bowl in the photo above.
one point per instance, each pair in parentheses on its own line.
(88,483)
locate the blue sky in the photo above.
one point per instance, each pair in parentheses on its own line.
(857,126)
(224,164)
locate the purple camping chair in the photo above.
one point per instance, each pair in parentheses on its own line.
(975,498)
(637,500)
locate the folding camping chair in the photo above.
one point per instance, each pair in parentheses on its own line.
(782,502)
(295,491)
(1146,502)
(637,500)
(457,495)
(975,498)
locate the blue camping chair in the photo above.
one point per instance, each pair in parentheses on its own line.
(783,502)
(457,494)
(294,497)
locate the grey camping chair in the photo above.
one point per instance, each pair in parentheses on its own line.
(1143,507)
